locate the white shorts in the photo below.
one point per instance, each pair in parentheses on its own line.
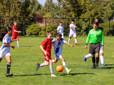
(101,49)
(4,52)
(73,34)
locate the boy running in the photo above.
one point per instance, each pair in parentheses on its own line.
(5,52)
(60,29)
(72,33)
(58,44)
(45,47)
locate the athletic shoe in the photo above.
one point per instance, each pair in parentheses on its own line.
(37,66)
(9,75)
(68,71)
(53,75)
(84,59)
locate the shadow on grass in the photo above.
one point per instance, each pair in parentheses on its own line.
(18,75)
(107,66)
(74,74)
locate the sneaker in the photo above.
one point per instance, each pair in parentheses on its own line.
(68,71)
(37,66)
(9,75)
(53,75)
(84,59)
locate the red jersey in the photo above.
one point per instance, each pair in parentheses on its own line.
(14,34)
(14,27)
(47,44)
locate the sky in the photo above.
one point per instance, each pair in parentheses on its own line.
(42,1)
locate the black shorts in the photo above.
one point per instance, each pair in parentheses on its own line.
(94,48)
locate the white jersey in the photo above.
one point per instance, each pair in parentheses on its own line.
(60,29)
(72,28)
(4,51)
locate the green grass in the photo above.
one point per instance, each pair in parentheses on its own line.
(25,58)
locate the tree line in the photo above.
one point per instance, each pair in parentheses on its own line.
(29,12)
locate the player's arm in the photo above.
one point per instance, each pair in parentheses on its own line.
(8,45)
(43,43)
(42,49)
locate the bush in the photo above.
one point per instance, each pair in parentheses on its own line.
(33,29)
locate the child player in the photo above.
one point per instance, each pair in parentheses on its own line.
(5,51)
(57,44)
(15,33)
(45,47)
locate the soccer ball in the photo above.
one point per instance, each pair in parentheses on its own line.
(59,68)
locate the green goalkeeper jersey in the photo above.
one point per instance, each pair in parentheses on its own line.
(95,36)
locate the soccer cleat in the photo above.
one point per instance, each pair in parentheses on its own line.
(53,75)
(37,66)
(9,75)
(68,71)
(84,59)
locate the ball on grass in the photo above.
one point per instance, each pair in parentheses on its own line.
(59,68)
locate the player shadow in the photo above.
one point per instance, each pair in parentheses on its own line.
(107,66)
(19,75)
(74,74)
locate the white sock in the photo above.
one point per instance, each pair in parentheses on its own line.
(17,43)
(64,64)
(43,64)
(76,41)
(51,67)
(102,59)
(88,55)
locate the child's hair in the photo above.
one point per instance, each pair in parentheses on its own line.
(58,35)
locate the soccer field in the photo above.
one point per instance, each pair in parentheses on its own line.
(25,58)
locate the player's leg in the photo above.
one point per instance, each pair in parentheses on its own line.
(69,40)
(75,39)
(17,41)
(64,64)
(51,68)
(89,55)
(45,63)
(101,55)
(8,66)
(92,51)
(97,49)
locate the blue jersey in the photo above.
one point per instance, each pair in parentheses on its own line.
(6,39)
(58,46)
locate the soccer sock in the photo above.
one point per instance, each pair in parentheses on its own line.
(43,64)
(75,41)
(65,66)
(93,60)
(8,67)
(88,55)
(17,43)
(102,59)
(51,67)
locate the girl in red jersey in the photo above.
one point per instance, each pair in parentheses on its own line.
(15,33)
